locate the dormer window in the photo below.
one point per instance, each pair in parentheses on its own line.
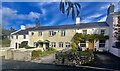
(63,33)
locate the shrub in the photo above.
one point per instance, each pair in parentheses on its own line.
(51,49)
(73,45)
(36,54)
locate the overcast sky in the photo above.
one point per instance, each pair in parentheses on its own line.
(15,14)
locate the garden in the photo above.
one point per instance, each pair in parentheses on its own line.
(39,53)
(76,56)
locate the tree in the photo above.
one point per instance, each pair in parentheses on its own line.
(68,6)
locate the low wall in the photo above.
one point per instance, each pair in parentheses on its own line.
(22,55)
(115,51)
(18,55)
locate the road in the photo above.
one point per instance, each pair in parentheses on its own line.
(104,62)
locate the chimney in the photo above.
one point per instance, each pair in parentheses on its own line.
(77,20)
(23,27)
(111,9)
(38,24)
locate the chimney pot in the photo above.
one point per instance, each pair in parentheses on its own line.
(77,20)
(23,27)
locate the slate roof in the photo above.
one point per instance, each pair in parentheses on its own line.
(23,32)
(71,26)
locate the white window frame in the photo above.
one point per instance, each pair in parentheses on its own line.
(40,33)
(102,44)
(67,44)
(61,44)
(51,33)
(84,31)
(53,44)
(16,36)
(81,43)
(63,33)
(101,31)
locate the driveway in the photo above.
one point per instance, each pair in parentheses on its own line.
(47,59)
(106,60)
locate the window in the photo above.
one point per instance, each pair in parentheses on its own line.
(40,34)
(83,43)
(35,44)
(102,31)
(52,33)
(60,44)
(24,36)
(62,33)
(53,44)
(16,36)
(101,43)
(67,44)
(84,31)
(32,33)
(11,36)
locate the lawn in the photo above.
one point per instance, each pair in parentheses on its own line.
(39,53)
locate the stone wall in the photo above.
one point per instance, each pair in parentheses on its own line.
(18,55)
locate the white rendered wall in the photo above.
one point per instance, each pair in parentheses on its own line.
(19,40)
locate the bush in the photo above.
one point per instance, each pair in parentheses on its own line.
(73,44)
(51,49)
(36,54)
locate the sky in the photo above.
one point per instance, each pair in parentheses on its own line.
(15,14)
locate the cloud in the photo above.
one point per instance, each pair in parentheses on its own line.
(9,15)
(103,19)
(13,14)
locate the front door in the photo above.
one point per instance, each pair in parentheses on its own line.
(91,44)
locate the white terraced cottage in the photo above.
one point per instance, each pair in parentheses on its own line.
(60,37)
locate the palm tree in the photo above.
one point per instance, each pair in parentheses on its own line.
(67,6)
